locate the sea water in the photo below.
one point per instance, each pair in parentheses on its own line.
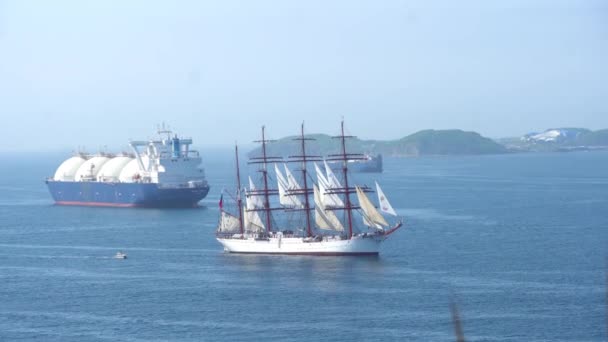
(518,241)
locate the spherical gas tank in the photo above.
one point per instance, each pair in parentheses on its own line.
(111,170)
(131,172)
(88,170)
(66,171)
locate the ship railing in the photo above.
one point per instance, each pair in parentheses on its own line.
(108,179)
(193,153)
(188,185)
(229,235)
(183,154)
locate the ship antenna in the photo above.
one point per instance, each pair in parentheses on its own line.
(238,191)
(164,129)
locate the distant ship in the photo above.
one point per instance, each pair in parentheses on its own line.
(329,224)
(158,173)
(367,163)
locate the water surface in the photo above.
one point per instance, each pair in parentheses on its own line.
(519,241)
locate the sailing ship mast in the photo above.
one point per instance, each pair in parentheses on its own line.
(304,159)
(344,157)
(264,160)
(238,190)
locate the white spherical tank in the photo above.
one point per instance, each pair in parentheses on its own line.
(111,170)
(66,171)
(88,170)
(131,172)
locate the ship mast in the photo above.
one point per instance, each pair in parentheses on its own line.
(349,213)
(344,157)
(238,189)
(264,160)
(304,158)
(265,175)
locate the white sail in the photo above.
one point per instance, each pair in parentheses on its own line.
(385,205)
(282,182)
(254,201)
(331,177)
(282,186)
(328,199)
(253,222)
(320,176)
(285,198)
(291,180)
(325,219)
(229,223)
(371,216)
(252,218)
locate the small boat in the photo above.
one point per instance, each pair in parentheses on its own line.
(120,255)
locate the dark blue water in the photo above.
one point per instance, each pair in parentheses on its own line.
(519,241)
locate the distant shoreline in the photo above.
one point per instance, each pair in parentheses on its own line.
(452,142)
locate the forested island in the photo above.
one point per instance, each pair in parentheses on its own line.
(449,142)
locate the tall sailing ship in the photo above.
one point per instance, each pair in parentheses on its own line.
(285,220)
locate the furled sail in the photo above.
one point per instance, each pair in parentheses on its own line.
(229,223)
(385,205)
(325,219)
(328,199)
(285,198)
(371,216)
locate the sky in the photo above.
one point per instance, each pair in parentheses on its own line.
(94,73)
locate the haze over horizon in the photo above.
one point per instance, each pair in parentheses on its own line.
(101,73)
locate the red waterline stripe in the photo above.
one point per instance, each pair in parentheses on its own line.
(97,204)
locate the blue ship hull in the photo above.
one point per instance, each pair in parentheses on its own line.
(125,194)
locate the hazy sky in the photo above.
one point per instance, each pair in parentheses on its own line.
(100,72)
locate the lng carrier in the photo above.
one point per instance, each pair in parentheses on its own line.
(162,172)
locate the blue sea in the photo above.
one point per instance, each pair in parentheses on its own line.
(518,241)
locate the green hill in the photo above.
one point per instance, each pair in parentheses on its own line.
(443,142)
(593,138)
(427,142)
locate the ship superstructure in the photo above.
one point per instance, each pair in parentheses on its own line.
(161,172)
(368,164)
(303,216)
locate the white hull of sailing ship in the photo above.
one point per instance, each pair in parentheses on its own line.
(357,245)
